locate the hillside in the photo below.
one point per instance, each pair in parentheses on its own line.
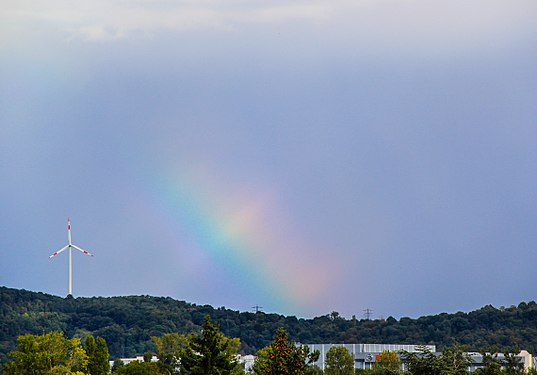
(127,323)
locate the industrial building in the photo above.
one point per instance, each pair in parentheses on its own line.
(365,355)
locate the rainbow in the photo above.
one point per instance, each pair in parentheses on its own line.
(246,234)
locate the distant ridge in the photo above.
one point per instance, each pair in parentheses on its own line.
(127,324)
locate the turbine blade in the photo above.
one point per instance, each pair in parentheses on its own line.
(82,250)
(57,252)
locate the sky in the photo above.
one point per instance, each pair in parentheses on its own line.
(303,156)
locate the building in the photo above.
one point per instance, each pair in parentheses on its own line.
(524,357)
(364,354)
(139,358)
(246,361)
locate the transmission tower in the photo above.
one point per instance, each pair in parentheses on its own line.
(367,313)
(257,308)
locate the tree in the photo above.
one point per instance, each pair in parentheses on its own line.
(452,361)
(138,368)
(118,363)
(492,365)
(97,352)
(283,358)
(310,359)
(512,364)
(90,347)
(148,356)
(210,353)
(314,370)
(168,352)
(387,363)
(422,362)
(339,361)
(455,360)
(51,353)
(102,358)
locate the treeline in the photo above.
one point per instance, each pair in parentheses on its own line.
(453,360)
(128,323)
(53,353)
(205,353)
(210,352)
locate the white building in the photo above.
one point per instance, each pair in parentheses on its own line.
(247,361)
(524,357)
(365,355)
(139,358)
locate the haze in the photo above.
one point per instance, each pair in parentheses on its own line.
(303,156)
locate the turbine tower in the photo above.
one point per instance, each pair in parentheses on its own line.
(70,246)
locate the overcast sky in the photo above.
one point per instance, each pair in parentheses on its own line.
(303,156)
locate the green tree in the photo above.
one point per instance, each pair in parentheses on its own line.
(339,361)
(210,353)
(380,371)
(314,370)
(452,361)
(90,347)
(97,352)
(283,358)
(51,353)
(147,356)
(310,358)
(455,360)
(118,363)
(491,365)
(387,363)
(423,362)
(138,368)
(168,352)
(512,364)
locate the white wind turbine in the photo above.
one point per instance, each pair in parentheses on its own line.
(70,246)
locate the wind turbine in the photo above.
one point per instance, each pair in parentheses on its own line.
(70,246)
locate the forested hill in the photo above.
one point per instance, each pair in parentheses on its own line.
(127,323)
